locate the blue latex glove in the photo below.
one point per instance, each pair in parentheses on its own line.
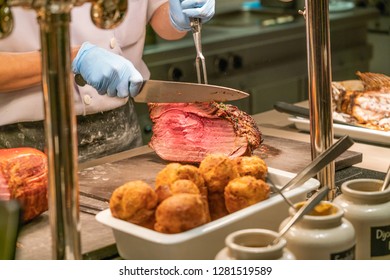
(107,72)
(180,12)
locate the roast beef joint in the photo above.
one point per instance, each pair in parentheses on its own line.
(188,132)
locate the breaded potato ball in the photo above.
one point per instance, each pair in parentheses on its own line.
(184,186)
(217,171)
(167,175)
(181,212)
(134,202)
(245,191)
(179,186)
(251,166)
(217,208)
(176,171)
(192,173)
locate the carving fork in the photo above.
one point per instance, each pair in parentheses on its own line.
(200,62)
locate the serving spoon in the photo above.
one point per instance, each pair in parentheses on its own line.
(306,208)
(315,166)
(386,181)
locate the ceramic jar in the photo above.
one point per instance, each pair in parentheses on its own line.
(252,244)
(368,209)
(325,236)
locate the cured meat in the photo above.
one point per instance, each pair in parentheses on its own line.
(188,132)
(368,105)
(23,176)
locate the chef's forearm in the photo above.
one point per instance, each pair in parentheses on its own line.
(19,70)
(22,70)
(162,25)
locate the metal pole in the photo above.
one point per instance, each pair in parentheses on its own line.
(60,128)
(320,79)
(60,120)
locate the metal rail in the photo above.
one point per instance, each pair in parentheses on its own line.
(320,79)
(60,121)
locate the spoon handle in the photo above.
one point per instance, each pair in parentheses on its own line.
(386,181)
(307,207)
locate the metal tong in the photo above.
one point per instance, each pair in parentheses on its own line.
(200,62)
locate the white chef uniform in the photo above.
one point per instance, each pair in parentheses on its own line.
(127,39)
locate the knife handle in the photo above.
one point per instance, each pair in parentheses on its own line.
(80,80)
(303,112)
(294,110)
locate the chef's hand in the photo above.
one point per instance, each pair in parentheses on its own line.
(181,11)
(107,72)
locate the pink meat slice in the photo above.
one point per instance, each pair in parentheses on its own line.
(187,132)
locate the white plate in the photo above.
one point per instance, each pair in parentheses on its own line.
(357,133)
(204,242)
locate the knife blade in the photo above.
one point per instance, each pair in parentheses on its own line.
(157,91)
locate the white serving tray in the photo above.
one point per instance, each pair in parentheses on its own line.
(204,242)
(357,133)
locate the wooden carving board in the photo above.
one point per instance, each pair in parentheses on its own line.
(289,155)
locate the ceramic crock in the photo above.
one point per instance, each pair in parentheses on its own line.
(368,209)
(252,244)
(328,236)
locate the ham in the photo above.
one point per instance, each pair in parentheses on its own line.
(188,132)
(23,176)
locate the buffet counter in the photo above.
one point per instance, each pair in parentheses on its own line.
(98,241)
(273,123)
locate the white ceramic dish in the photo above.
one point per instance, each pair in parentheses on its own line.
(204,242)
(356,133)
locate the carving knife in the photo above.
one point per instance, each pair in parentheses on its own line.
(155,91)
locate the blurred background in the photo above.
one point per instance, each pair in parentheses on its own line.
(260,47)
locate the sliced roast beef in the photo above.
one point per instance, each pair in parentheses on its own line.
(187,132)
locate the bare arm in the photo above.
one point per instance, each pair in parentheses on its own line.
(19,70)
(162,25)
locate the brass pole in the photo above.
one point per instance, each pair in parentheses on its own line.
(60,129)
(320,79)
(60,120)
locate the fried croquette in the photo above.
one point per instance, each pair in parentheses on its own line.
(217,171)
(251,166)
(181,212)
(245,191)
(179,186)
(184,186)
(134,202)
(176,171)
(217,208)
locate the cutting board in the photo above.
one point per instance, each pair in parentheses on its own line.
(100,181)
